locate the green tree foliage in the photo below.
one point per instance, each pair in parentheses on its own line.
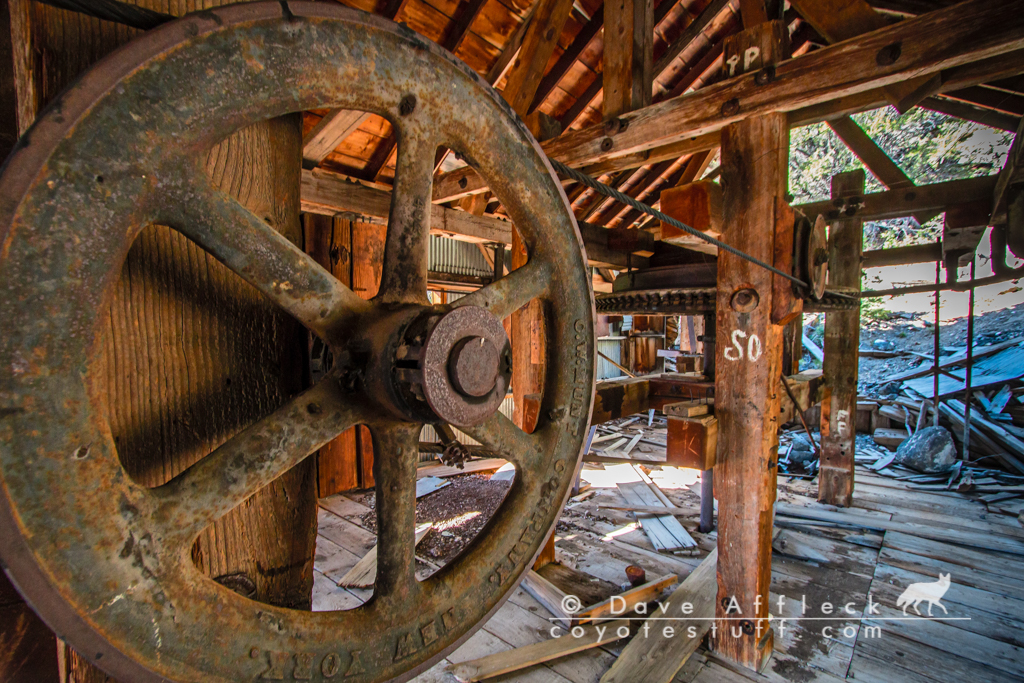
(930,147)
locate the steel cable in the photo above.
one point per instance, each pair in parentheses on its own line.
(111,10)
(611,192)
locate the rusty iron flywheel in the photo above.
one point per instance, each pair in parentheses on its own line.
(105,561)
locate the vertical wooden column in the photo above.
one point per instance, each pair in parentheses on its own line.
(792,345)
(748,362)
(354,253)
(842,339)
(628,55)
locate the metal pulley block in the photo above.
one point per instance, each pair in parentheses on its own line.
(107,562)
(810,255)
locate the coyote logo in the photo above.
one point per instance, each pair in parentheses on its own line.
(930,592)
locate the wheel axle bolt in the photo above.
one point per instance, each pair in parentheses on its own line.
(473,366)
(745,300)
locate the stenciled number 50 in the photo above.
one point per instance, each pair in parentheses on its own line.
(736,351)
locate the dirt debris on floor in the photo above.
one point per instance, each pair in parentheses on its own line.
(458,512)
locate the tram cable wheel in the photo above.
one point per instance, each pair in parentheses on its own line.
(810,255)
(106,562)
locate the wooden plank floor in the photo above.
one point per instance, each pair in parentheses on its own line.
(980,638)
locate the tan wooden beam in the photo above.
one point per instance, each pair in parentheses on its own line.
(901,256)
(628,55)
(511,49)
(929,44)
(934,198)
(565,61)
(328,133)
(1011,174)
(658,658)
(842,339)
(459,29)
(969,112)
(874,158)
(538,45)
(673,128)
(839,20)
(330,194)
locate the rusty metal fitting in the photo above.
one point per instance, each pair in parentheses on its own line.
(745,300)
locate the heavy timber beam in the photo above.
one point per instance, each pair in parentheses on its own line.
(974,42)
(628,55)
(874,158)
(902,256)
(842,339)
(968,32)
(330,194)
(617,398)
(934,198)
(839,20)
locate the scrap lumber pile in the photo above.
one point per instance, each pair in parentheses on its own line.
(651,654)
(638,438)
(995,415)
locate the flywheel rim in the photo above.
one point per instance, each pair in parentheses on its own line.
(134,607)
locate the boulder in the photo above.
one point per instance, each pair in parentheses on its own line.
(929,450)
(883,345)
(801,457)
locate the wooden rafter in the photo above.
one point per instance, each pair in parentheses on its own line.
(328,133)
(338,124)
(689,34)
(839,20)
(970,112)
(565,61)
(538,45)
(873,156)
(971,31)
(628,56)
(459,28)
(660,65)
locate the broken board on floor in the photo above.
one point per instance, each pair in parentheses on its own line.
(664,531)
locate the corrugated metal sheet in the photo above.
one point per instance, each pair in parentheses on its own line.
(429,435)
(456,258)
(613,349)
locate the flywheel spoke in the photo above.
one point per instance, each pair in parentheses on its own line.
(499,434)
(404,277)
(263,257)
(254,458)
(507,295)
(395,452)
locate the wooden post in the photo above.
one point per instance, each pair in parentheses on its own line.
(748,364)
(329,240)
(194,354)
(842,339)
(628,55)
(792,345)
